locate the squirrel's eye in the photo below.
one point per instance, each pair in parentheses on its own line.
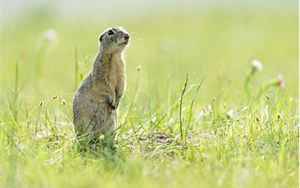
(110,32)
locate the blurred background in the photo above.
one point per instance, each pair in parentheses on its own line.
(116,8)
(54,44)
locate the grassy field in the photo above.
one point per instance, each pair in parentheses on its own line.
(194,115)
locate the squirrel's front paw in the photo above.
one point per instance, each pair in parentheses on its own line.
(111,102)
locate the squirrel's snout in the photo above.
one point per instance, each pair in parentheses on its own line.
(126,37)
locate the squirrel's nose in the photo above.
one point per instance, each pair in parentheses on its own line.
(126,37)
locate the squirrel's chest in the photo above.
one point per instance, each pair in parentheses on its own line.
(116,73)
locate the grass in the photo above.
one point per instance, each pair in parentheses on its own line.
(200,130)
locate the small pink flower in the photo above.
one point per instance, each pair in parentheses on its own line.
(280,81)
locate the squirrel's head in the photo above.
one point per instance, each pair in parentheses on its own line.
(114,40)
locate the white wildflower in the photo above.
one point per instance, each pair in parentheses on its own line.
(256,65)
(204,112)
(42,134)
(232,114)
(50,35)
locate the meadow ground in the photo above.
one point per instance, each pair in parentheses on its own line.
(214,129)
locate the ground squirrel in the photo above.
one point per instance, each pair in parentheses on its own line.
(97,99)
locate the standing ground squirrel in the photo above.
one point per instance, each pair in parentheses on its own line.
(97,99)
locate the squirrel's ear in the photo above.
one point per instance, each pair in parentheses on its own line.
(101,37)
